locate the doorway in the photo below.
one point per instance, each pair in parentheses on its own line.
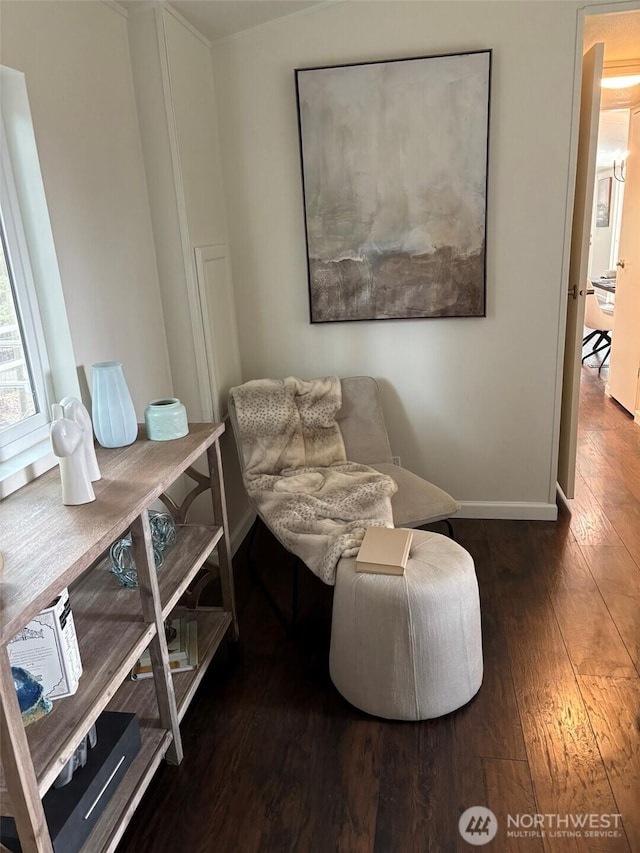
(604,239)
(620,33)
(616,35)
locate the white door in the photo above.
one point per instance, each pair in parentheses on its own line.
(625,348)
(578,264)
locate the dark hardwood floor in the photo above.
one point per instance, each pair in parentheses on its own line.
(276,760)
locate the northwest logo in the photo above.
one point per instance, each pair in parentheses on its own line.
(478,825)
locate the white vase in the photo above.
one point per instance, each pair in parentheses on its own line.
(114,417)
(166,419)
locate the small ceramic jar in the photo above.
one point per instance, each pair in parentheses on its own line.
(166,419)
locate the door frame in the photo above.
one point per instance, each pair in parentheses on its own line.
(582,13)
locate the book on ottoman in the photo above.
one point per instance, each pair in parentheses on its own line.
(384,551)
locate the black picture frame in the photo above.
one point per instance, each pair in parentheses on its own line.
(394,159)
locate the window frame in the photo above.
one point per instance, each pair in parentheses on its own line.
(35,428)
(60,372)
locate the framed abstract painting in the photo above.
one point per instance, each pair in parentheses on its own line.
(394,170)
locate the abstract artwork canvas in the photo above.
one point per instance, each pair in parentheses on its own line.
(394,171)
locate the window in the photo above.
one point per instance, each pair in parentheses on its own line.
(37,365)
(24,405)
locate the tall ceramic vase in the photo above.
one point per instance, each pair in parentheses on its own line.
(114,418)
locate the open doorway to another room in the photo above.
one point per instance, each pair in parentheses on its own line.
(613,136)
(615,204)
(607,428)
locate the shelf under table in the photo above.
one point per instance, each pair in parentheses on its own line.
(52,545)
(113,821)
(111,636)
(194,543)
(139,696)
(107,617)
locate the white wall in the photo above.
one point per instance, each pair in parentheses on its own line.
(469,402)
(173,82)
(76,61)
(192,89)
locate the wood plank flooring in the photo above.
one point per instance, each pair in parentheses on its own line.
(276,760)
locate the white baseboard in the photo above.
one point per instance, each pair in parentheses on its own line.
(521,510)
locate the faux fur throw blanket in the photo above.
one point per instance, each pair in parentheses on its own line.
(297,475)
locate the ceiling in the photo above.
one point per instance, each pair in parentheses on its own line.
(216,19)
(620,33)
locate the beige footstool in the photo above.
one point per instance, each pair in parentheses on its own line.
(409,647)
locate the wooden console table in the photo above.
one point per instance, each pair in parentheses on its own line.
(47,547)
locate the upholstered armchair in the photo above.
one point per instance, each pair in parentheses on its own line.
(357,413)
(417,501)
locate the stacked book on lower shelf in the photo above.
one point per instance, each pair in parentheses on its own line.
(182,644)
(139,693)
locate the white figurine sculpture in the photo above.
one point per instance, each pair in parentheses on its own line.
(67,442)
(75,411)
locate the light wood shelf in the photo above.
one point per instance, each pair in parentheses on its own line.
(113,821)
(182,562)
(140,695)
(106,616)
(53,547)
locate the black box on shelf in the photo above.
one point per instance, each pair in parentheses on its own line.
(73,810)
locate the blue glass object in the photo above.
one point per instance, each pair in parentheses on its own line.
(163,536)
(114,417)
(166,419)
(31,699)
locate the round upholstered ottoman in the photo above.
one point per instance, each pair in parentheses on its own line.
(409,647)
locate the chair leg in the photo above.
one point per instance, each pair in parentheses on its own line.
(606,356)
(603,336)
(257,579)
(595,345)
(446,521)
(252,536)
(600,349)
(294,594)
(259,582)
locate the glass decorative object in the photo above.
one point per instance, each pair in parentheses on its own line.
(114,417)
(166,419)
(31,699)
(163,536)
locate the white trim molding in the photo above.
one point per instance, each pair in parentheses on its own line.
(516,510)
